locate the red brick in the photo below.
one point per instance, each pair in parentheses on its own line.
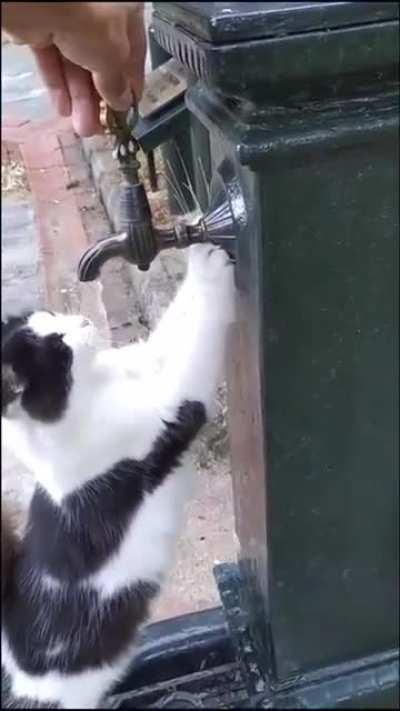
(61,232)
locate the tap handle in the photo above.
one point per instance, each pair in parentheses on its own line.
(122,125)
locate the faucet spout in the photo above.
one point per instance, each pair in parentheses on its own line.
(142,241)
(92,260)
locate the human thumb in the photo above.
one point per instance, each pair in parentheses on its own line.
(114,89)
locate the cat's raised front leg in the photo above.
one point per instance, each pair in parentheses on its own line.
(194,342)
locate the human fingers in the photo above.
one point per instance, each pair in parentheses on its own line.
(113,87)
(85,106)
(50,65)
(127,71)
(135,64)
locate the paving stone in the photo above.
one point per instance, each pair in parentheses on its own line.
(22,90)
(22,285)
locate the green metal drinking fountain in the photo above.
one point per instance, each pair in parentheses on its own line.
(299,112)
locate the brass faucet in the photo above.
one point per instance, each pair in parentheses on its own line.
(141,240)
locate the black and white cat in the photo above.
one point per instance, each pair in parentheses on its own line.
(106,434)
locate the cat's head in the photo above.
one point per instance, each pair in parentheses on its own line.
(42,354)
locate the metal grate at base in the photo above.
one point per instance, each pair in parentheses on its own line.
(222,687)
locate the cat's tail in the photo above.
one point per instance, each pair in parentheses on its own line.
(10,545)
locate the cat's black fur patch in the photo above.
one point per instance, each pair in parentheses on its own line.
(91,631)
(10,386)
(39,366)
(12,324)
(74,540)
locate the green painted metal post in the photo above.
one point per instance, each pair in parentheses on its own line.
(177,151)
(301,101)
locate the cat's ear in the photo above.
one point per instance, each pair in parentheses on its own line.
(20,350)
(13,323)
(11,387)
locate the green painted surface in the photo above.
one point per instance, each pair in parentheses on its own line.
(313,362)
(317,363)
(330,266)
(177,151)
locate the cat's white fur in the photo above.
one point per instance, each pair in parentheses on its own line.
(114,413)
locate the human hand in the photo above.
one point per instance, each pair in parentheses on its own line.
(85,51)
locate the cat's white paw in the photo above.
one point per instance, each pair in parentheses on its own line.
(211,274)
(207,262)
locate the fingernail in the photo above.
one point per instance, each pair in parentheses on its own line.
(84,123)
